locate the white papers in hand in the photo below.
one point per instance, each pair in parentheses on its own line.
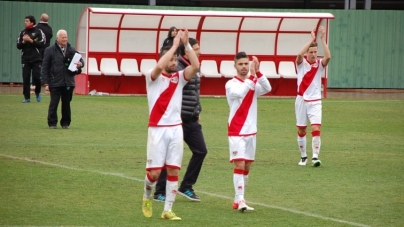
(73,63)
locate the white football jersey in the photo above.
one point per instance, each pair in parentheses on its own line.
(309,79)
(242,99)
(164,96)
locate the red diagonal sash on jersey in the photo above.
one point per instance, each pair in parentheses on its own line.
(162,102)
(307,79)
(241,114)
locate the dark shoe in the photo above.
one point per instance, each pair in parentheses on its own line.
(38,97)
(26,101)
(52,127)
(315,162)
(159,198)
(189,194)
(65,127)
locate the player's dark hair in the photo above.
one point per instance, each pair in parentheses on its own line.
(240,55)
(31,18)
(164,50)
(170,31)
(191,42)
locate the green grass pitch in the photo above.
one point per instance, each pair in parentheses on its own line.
(92,174)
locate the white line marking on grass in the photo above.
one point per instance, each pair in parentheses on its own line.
(289,210)
(363,100)
(72,168)
(207,193)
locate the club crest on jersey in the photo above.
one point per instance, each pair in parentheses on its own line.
(174,79)
(33,34)
(234,153)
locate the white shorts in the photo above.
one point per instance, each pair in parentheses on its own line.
(165,147)
(307,110)
(242,148)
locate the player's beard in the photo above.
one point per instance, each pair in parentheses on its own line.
(170,70)
(243,72)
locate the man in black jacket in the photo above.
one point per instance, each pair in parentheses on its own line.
(193,136)
(30,41)
(59,78)
(47,31)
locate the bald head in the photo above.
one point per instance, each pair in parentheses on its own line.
(44,17)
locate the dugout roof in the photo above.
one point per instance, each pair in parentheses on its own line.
(142,31)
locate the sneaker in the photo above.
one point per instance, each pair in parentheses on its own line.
(147,207)
(26,101)
(249,208)
(188,193)
(65,127)
(242,206)
(52,127)
(315,162)
(235,206)
(159,198)
(303,161)
(38,97)
(169,215)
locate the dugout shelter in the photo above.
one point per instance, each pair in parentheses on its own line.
(120,45)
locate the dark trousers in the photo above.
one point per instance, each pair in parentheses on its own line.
(27,68)
(193,137)
(64,94)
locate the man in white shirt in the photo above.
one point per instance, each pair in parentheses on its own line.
(241,93)
(165,134)
(308,101)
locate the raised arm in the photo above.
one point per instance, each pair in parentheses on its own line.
(163,61)
(254,66)
(327,54)
(264,85)
(236,90)
(306,46)
(191,70)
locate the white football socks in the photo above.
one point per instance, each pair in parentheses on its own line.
(316,144)
(301,141)
(238,181)
(148,186)
(171,192)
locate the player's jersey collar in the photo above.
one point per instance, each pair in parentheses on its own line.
(168,75)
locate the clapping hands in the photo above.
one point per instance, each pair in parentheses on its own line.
(254,66)
(26,38)
(313,35)
(182,36)
(322,32)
